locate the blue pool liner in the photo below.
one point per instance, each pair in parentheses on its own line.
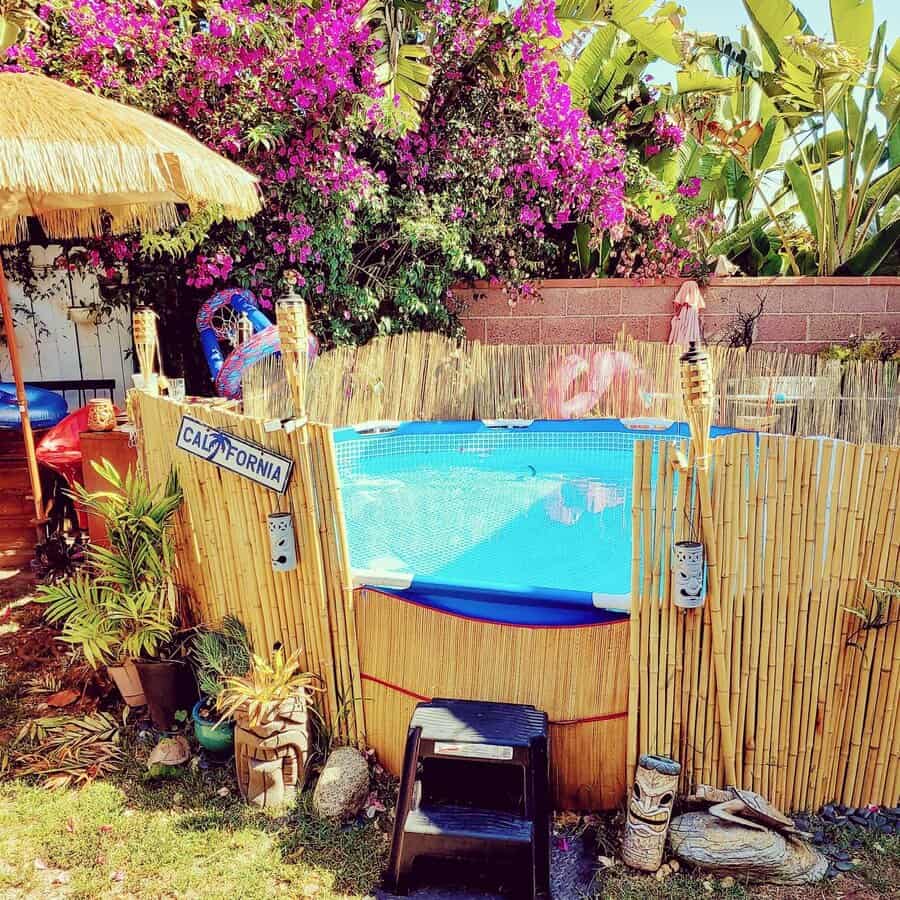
(512,604)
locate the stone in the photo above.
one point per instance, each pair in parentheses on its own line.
(170,751)
(674,865)
(343,785)
(727,882)
(726,848)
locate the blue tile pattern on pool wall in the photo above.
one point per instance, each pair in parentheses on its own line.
(474,437)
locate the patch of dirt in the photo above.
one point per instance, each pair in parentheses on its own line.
(34,664)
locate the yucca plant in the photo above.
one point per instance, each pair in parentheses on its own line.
(258,694)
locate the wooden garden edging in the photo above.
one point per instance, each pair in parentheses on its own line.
(222,545)
(802,525)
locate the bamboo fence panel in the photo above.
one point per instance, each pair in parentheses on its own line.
(804,527)
(427,376)
(223,552)
(408,653)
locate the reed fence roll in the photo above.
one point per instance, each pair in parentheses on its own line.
(805,528)
(223,552)
(428,376)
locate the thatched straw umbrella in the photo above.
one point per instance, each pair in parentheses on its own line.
(82,165)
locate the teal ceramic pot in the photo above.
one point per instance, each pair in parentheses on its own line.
(216,740)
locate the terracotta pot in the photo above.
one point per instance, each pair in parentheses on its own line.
(128,681)
(168,686)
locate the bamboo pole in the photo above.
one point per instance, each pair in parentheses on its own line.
(34,476)
(697,391)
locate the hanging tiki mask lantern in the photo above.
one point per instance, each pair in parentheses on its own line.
(687,574)
(282,541)
(649,812)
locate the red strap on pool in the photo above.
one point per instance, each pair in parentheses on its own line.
(585,721)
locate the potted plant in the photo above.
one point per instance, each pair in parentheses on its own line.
(217,654)
(271,736)
(123,610)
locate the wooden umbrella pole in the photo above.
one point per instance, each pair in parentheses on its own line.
(697,390)
(22,397)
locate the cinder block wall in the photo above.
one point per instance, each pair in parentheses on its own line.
(800,314)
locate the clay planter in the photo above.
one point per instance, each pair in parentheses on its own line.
(128,681)
(270,756)
(168,687)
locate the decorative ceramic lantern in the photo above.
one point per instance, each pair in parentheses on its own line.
(687,574)
(649,812)
(101,415)
(282,542)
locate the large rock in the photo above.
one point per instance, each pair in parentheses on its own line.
(724,848)
(343,785)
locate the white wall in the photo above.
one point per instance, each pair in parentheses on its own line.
(54,347)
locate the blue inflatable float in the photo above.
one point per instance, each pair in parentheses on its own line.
(45,408)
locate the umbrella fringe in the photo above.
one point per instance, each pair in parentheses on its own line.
(61,169)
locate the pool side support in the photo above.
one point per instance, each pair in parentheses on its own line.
(696,384)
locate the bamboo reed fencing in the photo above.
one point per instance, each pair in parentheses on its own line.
(409,653)
(427,376)
(223,551)
(803,527)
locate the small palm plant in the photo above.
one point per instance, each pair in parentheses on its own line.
(259,695)
(124,605)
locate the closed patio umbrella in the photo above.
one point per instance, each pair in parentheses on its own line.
(81,165)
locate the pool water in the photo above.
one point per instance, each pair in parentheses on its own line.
(542,517)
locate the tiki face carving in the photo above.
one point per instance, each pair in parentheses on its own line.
(649,812)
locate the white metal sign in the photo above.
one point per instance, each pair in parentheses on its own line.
(473,751)
(235,454)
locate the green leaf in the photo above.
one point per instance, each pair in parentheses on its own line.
(805,192)
(776,20)
(767,150)
(582,243)
(689,80)
(889,83)
(657,35)
(852,22)
(872,253)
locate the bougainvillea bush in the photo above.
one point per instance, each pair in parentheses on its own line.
(369,218)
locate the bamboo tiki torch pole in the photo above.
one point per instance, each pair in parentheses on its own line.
(697,390)
(293,333)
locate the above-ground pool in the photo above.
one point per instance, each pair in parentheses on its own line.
(526,525)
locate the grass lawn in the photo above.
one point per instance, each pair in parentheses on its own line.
(192,836)
(176,838)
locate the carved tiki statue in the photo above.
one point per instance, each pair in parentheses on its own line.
(649,812)
(270,755)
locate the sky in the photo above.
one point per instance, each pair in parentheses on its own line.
(724,17)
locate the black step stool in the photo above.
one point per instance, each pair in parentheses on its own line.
(475,785)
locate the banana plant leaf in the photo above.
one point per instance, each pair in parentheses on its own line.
(873,252)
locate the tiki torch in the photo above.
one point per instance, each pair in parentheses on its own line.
(697,391)
(146,340)
(293,332)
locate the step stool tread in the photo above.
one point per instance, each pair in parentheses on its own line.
(479,722)
(461,821)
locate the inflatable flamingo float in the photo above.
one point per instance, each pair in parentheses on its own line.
(605,368)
